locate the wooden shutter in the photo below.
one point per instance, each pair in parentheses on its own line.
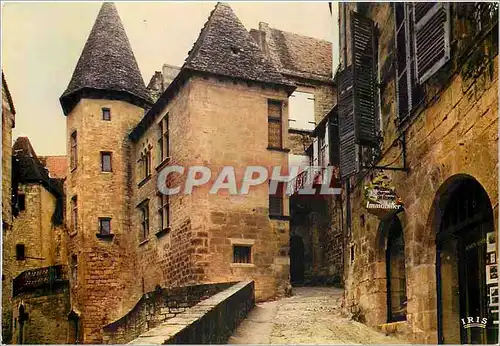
(432,37)
(348,162)
(403,63)
(364,78)
(333,136)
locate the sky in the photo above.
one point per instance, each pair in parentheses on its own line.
(42,41)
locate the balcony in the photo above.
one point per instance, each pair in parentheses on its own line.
(40,278)
(316,175)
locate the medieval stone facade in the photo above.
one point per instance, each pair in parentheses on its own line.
(120,236)
(8,122)
(428,266)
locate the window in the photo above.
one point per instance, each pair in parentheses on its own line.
(353,248)
(21,201)
(144,214)
(301,111)
(422,47)
(358,96)
(104,226)
(105,161)
(274,124)
(276,201)
(106,114)
(164,139)
(74,213)
(145,164)
(20,252)
(323,148)
(163,212)
(74,269)
(242,254)
(74,151)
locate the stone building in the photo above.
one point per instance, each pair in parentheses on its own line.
(34,270)
(307,62)
(8,123)
(418,124)
(228,105)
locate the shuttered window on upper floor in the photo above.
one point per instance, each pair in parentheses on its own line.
(358,96)
(422,48)
(432,37)
(301,111)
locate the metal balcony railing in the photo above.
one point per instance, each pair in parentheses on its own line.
(316,175)
(38,278)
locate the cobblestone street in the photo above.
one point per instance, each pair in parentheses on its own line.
(311,316)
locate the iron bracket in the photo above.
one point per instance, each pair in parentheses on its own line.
(405,168)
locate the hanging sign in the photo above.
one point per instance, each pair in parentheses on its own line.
(381,198)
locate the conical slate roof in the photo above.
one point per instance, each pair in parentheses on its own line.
(225,47)
(107,64)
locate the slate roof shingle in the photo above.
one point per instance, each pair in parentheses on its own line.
(28,168)
(107,62)
(299,55)
(224,47)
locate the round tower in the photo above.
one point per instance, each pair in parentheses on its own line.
(104,100)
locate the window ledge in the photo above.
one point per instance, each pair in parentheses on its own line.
(106,172)
(73,169)
(283,150)
(162,232)
(279,217)
(144,181)
(72,233)
(105,236)
(242,265)
(144,241)
(163,163)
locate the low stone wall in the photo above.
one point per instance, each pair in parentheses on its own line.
(211,321)
(157,307)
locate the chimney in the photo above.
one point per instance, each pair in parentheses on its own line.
(169,73)
(259,37)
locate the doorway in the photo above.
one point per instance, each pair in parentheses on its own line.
(461,264)
(395,271)
(296,260)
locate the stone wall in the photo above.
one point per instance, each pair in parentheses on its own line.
(230,128)
(197,247)
(47,317)
(454,132)
(156,307)
(33,228)
(106,285)
(7,125)
(164,256)
(210,322)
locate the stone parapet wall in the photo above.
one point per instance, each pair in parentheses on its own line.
(157,307)
(210,322)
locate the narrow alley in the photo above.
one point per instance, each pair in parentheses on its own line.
(311,316)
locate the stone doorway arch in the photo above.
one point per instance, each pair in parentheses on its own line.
(462,219)
(391,252)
